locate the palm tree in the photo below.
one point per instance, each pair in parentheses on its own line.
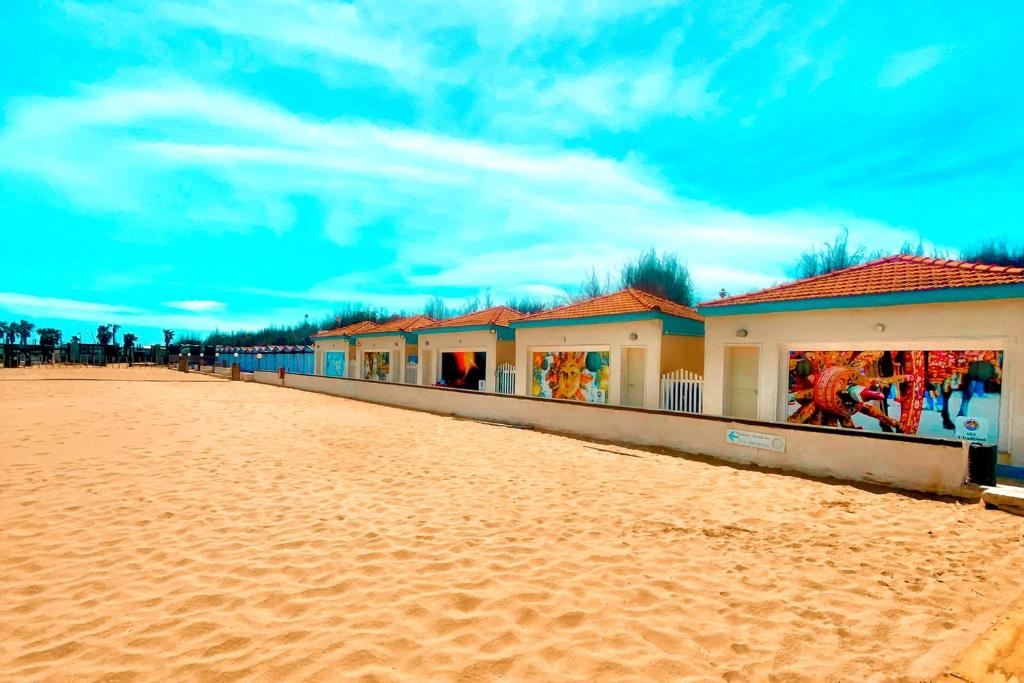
(49,336)
(129,343)
(25,330)
(75,339)
(103,334)
(168,336)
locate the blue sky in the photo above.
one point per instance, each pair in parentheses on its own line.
(237,163)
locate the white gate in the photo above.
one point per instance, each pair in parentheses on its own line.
(505,379)
(410,373)
(682,391)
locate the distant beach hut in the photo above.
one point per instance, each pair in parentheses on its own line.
(333,349)
(470,351)
(389,351)
(612,349)
(901,344)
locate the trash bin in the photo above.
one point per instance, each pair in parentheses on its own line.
(981,464)
(236,372)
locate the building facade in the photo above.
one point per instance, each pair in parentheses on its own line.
(904,344)
(470,351)
(611,349)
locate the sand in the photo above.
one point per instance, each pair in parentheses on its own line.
(198,529)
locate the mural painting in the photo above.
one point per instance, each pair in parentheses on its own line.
(377,365)
(463,369)
(943,394)
(571,375)
(334,363)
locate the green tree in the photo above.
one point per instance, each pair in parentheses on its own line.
(834,255)
(103,334)
(25,331)
(168,336)
(663,275)
(591,287)
(129,344)
(994,252)
(435,309)
(528,305)
(49,336)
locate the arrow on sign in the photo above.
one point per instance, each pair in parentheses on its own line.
(733,436)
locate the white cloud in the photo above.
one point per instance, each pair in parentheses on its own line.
(906,66)
(128,317)
(52,306)
(473,213)
(197,305)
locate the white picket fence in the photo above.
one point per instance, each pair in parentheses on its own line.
(505,379)
(682,391)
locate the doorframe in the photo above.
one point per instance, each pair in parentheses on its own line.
(622,375)
(727,378)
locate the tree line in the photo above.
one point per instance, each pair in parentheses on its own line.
(663,274)
(21,331)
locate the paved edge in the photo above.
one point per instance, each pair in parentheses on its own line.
(997,655)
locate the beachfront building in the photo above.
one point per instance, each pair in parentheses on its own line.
(474,351)
(389,351)
(902,344)
(333,349)
(612,349)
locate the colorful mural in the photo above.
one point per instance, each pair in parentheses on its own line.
(463,369)
(377,365)
(571,375)
(930,393)
(334,363)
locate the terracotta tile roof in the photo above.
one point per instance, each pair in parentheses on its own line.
(899,273)
(498,315)
(353,328)
(623,302)
(408,324)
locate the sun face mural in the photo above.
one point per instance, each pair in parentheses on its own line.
(377,365)
(907,392)
(571,375)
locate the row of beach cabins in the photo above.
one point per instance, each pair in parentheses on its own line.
(891,345)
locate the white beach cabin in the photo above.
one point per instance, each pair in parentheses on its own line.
(474,351)
(612,349)
(903,344)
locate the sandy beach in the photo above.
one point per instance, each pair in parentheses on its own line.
(157,526)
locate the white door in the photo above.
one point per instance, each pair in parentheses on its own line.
(633,370)
(741,378)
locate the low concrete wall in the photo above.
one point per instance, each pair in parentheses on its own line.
(914,463)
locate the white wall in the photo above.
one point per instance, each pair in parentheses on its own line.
(431,345)
(978,325)
(610,336)
(903,462)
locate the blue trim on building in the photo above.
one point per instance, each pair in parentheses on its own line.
(591,320)
(410,337)
(502,332)
(928,296)
(332,338)
(1011,471)
(670,324)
